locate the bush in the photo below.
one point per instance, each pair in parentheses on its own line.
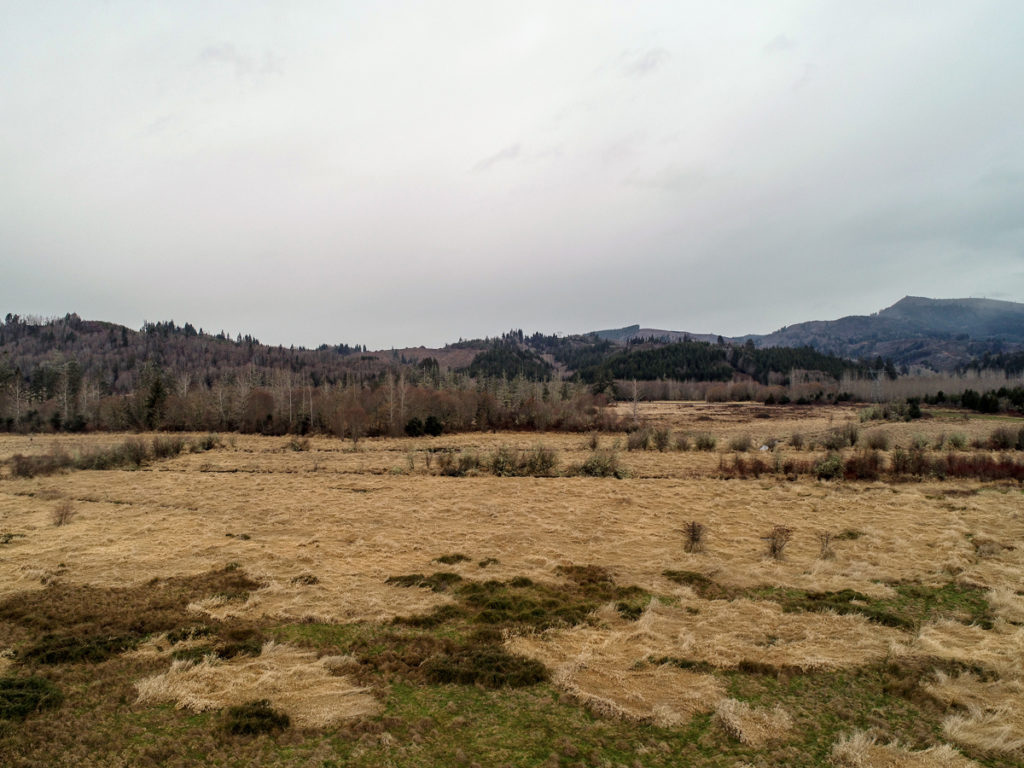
(63,512)
(957,441)
(167,447)
(829,468)
(777,538)
(206,443)
(705,442)
(299,444)
(662,438)
(600,464)
(918,442)
(877,440)
(1002,439)
(486,665)
(694,536)
(23,696)
(254,717)
(450,465)
(414,427)
(682,442)
(796,440)
(740,443)
(864,465)
(508,462)
(433,426)
(638,440)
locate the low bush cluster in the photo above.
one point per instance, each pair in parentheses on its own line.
(129,454)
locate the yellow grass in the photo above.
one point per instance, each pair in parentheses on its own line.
(994,718)
(862,751)
(752,725)
(295,682)
(352,518)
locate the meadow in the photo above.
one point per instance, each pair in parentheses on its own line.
(652,598)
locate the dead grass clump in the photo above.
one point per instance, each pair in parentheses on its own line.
(991,719)
(63,512)
(299,444)
(292,681)
(778,537)
(682,442)
(695,533)
(753,726)
(860,750)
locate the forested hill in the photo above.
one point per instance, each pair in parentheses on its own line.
(942,334)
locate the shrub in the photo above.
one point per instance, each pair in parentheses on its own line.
(414,427)
(638,440)
(682,442)
(206,443)
(540,462)
(450,465)
(254,717)
(777,538)
(600,464)
(299,444)
(863,465)
(433,426)
(45,464)
(593,441)
(957,441)
(877,440)
(23,696)
(829,468)
(63,512)
(167,447)
(487,665)
(705,442)
(694,536)
(796,440)
(662,437)
(740,443)
(1002,439)
(918,442)
(825,551)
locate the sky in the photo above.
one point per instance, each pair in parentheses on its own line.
(410,173)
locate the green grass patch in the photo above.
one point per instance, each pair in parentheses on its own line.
(912,605)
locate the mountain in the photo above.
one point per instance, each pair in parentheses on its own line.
(934,333)
(939,334)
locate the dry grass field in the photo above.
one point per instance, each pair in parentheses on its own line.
(273,601)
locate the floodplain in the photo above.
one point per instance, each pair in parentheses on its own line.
(703,591)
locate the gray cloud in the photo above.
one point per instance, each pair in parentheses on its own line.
(244,65)
(446,171)
(643,63)
(510,152)
(779,44)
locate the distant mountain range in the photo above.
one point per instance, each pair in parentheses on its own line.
(933,333)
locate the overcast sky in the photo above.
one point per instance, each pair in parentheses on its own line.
(396,174)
